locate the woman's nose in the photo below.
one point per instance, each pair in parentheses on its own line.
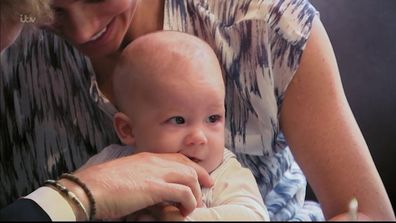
(195,138)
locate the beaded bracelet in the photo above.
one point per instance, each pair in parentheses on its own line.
(91,199)
(70,195)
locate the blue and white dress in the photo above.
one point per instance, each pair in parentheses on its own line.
(54,117)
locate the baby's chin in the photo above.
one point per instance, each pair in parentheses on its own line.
(212,167)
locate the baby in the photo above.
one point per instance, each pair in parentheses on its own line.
(169,91)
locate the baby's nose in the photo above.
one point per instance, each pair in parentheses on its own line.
(195,138)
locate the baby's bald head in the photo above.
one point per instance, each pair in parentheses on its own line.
(159,59)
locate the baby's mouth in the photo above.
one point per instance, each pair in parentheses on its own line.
(195,160)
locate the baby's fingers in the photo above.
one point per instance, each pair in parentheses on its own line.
(189,178)
(179,194)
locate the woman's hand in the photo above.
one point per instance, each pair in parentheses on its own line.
(131,183)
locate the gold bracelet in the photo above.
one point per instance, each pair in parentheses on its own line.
(91,199)
(70,195)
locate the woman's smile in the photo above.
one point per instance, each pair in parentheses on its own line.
(99,34)
(101,39)
(97,28)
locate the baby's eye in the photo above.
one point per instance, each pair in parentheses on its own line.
(214,118)
(178,120)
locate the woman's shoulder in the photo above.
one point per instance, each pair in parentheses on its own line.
(36,45)
(277,13)
(228,13)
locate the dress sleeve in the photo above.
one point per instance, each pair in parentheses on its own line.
(290,24)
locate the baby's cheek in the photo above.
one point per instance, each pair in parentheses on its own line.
(168,143)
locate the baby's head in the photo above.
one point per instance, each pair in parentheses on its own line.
(169,89)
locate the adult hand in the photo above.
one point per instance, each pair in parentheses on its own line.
(131,183)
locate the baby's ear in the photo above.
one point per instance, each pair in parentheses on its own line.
(123,126)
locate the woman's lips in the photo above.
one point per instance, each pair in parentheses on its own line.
(100,38)
(99,34)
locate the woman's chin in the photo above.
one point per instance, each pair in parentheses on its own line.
(99,52)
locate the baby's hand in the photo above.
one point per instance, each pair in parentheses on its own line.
(145,214)
(170,213)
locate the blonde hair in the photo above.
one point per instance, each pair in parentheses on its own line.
(11,10)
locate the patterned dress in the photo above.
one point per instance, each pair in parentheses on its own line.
(53,116)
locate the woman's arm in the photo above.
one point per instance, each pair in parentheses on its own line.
(325,138)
